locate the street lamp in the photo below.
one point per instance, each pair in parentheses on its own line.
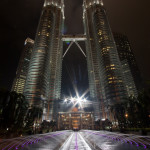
(126,115)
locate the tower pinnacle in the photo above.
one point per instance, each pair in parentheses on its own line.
(58,3)
(91,2)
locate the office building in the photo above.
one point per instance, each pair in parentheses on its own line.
(128,79)
(43,84)
(125,53)
(104,67)
(21,74)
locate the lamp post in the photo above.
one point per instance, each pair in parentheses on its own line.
(126,116)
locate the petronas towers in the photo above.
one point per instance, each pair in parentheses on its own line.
(43,80)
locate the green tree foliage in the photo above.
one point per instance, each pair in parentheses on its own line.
(33,115)
(15,115)
(13,108)
(139,110)
(136,109)
(48,126)
(53,125)
(133,112)
(119,110)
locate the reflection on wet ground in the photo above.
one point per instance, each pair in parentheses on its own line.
(115,141)
(83,140)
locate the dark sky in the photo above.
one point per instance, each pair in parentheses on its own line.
(19,20)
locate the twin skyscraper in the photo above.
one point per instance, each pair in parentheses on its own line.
(43,77)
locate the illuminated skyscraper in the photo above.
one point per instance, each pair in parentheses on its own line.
(21,74)
(125,54)
(43,84)
(128,79)
(104,67)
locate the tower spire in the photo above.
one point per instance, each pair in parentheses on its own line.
(91,2)
(58,3)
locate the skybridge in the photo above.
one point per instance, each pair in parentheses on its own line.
(74,39)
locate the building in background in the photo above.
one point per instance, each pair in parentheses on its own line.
(126,55)
(21,74)
(128,79)
(75,120)
(104,66)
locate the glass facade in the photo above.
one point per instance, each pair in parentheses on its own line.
(104,67)
(125,53)
(43,83)
(128,79)
(21,74)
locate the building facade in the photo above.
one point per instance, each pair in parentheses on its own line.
(128,79)
(21,74)
(104,67)
(43,83)
(125,54)
(75,120)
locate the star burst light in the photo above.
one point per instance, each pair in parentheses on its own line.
(77,100)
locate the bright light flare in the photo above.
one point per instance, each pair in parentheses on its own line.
(76,101)
(84,100)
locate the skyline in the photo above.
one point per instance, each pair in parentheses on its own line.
(15,33)
(68,72)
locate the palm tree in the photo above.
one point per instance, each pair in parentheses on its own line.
(20,113)
(9,110)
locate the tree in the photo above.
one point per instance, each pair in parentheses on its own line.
(13,108)
(134,112)
(144,109)
(53,125)
(33,115)
(119,110)
(21,110)
(45,126)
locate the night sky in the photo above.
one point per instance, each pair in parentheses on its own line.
(19,20)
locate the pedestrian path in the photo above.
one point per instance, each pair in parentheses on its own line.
(75,142)
(48,141)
